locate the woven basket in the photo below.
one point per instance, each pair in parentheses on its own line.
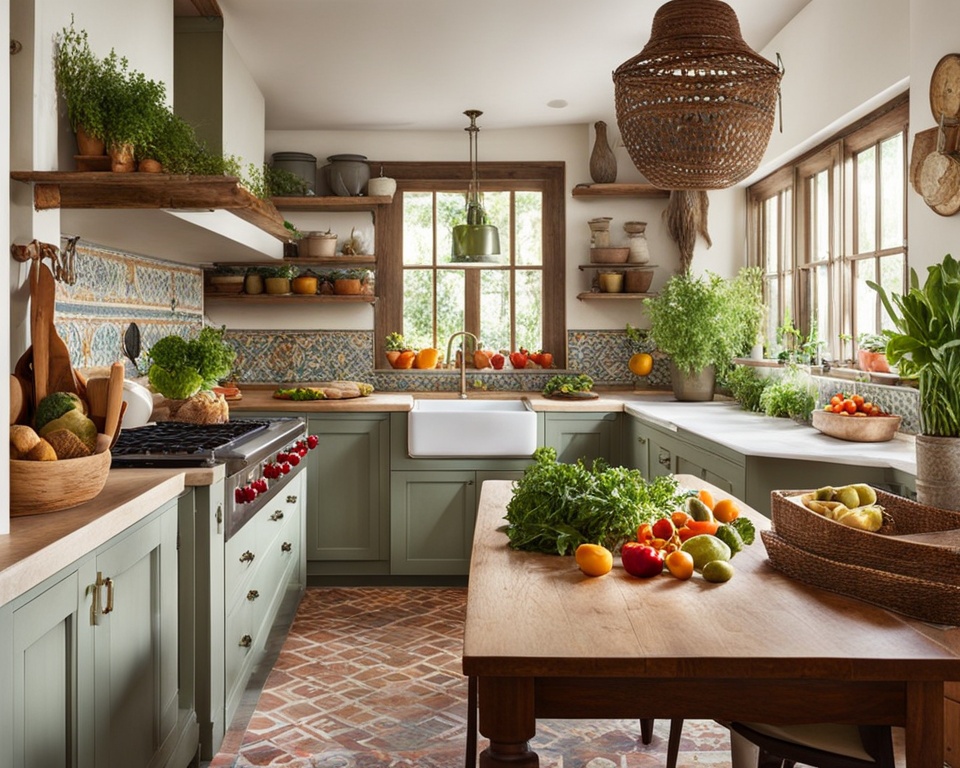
(886,550)
(923,599)
(696,106)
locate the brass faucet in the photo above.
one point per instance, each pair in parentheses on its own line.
(463,357)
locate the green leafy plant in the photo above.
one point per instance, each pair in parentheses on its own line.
(288,271)
(872,342)
(747,386)
(281,182)
(179,368)
(925,343)
(395,343)
(744,299)
(80,81)
(557,506)
(791,395)
(132,104)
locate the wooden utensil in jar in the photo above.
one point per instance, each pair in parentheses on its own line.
(111,419)
(41,320)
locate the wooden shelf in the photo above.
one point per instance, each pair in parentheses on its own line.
(331,203)
(365,260)
(290,298)
(159,191)
(591,296)
(613,267)
(619,190)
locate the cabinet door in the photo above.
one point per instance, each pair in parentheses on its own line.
(636,446)
(49,722)
(432,519)
(347,488)
(951,727)
(135,642)
(585,436)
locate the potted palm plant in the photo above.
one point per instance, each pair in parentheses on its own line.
(925,345)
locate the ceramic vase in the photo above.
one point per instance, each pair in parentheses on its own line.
(603,163)
(637,240)
(600,232)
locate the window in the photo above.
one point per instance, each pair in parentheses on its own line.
(826,224)
(518,303)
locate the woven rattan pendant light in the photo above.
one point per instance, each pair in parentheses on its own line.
(696,106)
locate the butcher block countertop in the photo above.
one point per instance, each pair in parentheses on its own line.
(40,545)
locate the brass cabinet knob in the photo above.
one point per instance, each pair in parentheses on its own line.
(247,557)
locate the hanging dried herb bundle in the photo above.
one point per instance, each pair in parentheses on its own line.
(686,217)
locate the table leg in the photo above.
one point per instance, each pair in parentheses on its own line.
(924,729)
(507,718)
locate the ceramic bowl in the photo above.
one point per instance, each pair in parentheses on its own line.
(609,255)
(858,429)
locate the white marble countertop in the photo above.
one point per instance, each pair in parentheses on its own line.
(754,434)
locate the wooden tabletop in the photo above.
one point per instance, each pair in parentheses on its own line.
(532,614)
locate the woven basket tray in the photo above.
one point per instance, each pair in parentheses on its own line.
(915,540)
(917,598)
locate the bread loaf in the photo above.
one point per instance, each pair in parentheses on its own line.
(22,440)
(67,445)
(42,451)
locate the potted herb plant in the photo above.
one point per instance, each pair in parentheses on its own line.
(277,279)
(925,344)
(701,322)
(132,109)
(80,81)
(349,282)
(872,353)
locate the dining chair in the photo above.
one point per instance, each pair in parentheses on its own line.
(825,745)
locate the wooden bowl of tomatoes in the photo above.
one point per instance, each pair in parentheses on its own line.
(852,418)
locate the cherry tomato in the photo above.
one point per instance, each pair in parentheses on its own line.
(849,406)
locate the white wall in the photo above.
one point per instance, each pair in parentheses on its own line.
(244,113)
(4,237)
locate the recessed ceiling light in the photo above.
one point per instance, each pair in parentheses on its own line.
(557,103)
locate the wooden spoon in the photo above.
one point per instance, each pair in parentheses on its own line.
(97,400)
(111,419)
(41,320)
(60,375)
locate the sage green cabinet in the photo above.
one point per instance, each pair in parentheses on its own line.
(432,517)
(91,660)
(584,436)
(348,488)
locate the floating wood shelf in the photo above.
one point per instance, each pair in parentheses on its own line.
(331,203)
(365,260)
(289,298)
(619,190)
(614,267)
(593,295)
(144,191)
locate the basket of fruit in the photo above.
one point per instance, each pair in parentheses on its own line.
(869,544)
(59,462)
(850,417)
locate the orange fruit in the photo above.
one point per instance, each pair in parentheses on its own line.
(593,559)
(726,510)
(641,364)
(427,358)
(706,497)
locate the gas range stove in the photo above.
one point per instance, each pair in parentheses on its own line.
(260,457)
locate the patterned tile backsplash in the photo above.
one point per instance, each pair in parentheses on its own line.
(114,289)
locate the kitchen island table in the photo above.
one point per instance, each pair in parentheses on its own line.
(544,641)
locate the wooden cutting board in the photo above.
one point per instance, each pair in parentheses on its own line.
(52,369)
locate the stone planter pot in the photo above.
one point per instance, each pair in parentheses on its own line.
(347,287)
(938,471)
(122,159)
(277,286)
(696,388)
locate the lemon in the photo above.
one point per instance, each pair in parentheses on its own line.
(641,364)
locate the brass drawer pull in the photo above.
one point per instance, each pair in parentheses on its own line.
(291,499)
(252,595)
(286,547)
(278,515)
(246,641)
(664,458)
(247,557)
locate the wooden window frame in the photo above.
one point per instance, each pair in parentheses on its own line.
(546,177)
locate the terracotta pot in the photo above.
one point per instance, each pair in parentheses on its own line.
(87,145)
(305,284)
(346,287)
(873,361)
(122,159)
(149,165)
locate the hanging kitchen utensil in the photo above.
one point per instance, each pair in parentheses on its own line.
(41,320)
(131,343)
(60,375)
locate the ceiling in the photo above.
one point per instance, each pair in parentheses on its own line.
(418,64)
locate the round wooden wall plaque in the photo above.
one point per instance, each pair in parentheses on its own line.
(945,88)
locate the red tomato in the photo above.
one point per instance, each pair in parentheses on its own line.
(546,359)
(664,528)
(518,359)
(849,406)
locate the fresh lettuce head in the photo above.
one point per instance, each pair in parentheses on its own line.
(180,368)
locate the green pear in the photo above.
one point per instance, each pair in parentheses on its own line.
(866,493)
(824,494)
(847,495)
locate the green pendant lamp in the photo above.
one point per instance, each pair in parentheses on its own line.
(476,242)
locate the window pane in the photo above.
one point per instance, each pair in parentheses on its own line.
(786,219)
(450,287)
(866,201)
(866,298)
(450,212)
(495,309)
(418,307)
(773,310)
(529,309)
(788,299)
(891,191)
(529,216)
(417,228)
(821,233)
(497,207)
(891,278)
(770,232)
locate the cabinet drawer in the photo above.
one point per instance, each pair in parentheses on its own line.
(242,646)
(242,557)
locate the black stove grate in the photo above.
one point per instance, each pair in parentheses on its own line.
(173,437)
